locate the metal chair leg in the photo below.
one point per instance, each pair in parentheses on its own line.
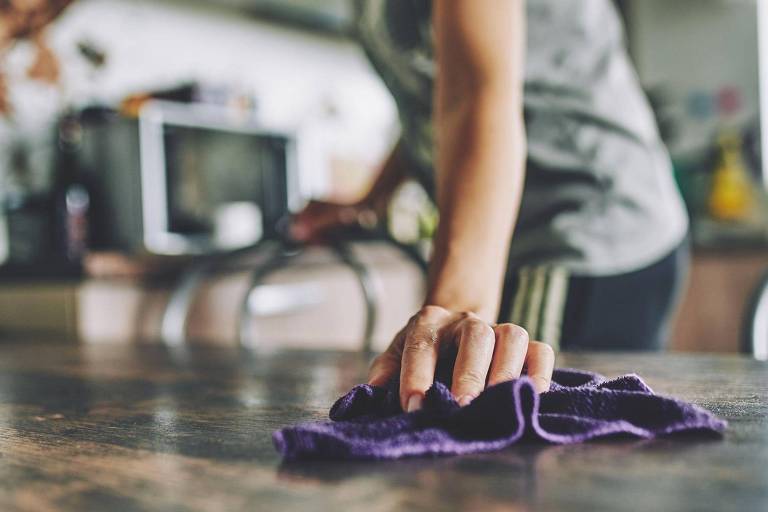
(367,287)
(278,260)
(345,255)
(173,326)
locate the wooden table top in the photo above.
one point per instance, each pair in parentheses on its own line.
(126,428)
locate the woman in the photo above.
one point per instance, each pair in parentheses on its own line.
(598,249)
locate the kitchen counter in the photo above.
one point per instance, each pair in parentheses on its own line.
(122,427)
(305,293)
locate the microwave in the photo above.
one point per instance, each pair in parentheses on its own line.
(184,179)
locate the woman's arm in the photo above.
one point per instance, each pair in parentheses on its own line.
(480,145)
(480,149)
(392,174)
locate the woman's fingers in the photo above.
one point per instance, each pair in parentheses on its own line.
(509,353)
(540,362)
(485,355)
(420,351)
(475,340)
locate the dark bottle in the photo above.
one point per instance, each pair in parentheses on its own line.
(71,196)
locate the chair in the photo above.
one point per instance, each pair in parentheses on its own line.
(283,257)
(279,253)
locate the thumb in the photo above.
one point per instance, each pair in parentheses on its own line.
(383,369)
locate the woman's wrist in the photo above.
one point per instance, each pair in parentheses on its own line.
(485,313)
(458,283)
(464,299)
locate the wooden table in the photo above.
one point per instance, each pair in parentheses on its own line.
(124,428)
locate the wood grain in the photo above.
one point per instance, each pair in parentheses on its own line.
(116,427)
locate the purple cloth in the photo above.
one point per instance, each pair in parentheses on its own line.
(368,422)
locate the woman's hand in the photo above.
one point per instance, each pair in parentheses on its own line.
(486,355)
(480,167)
(320,220)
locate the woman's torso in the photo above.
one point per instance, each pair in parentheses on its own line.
(599,195)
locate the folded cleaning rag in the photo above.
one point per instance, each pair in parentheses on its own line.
(368,422)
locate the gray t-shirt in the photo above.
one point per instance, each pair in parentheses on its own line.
(599,195)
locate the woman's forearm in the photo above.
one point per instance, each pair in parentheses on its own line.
(479,195)
(480,161)
(392,174)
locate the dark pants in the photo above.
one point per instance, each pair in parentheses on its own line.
(629,311)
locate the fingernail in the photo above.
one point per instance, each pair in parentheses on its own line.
(465,400)
(540,384)
(414,402)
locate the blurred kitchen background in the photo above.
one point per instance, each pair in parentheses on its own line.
(151,151)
